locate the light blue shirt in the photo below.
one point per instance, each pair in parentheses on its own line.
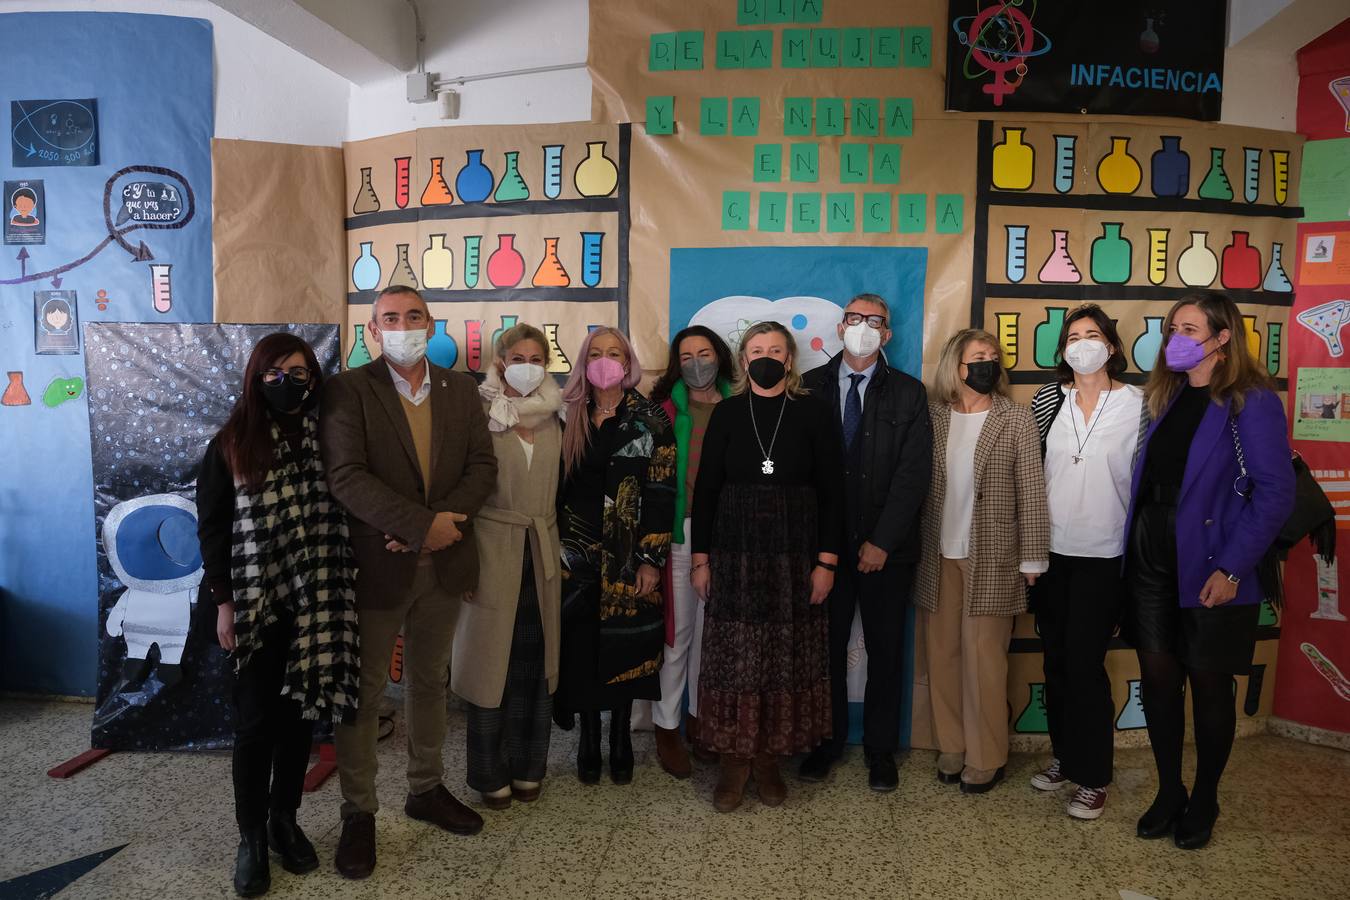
(402,385)
(845,383)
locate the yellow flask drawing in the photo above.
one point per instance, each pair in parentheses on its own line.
(557,359)
(1014,162)
(1281,160)
(1119,172)
(596,175)
(1253,337)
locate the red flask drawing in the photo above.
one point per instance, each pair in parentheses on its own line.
(506,266)
(1241,264)
(402,176)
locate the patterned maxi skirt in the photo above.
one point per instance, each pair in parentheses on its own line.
(765,680)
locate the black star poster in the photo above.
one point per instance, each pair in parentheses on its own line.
(1157,58)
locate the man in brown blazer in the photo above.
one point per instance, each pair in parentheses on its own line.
(408,453)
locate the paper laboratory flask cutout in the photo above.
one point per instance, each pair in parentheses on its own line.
(1034,719)
(1131,717)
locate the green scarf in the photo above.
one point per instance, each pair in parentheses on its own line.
(684,433)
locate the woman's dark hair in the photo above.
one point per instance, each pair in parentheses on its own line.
(246,439)
(1115,364)
(660,391)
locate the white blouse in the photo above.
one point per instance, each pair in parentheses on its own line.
(958,507)
(1087,475)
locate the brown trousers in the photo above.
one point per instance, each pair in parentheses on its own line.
(427,618)
(967,674)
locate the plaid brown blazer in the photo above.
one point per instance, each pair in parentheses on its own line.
(1011,521)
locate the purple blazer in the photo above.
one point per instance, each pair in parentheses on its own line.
(1216,527)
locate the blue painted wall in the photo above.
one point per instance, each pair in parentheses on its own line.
(153,79)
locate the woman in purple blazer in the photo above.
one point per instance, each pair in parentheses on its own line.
(1194,537)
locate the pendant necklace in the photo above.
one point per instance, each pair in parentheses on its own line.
(1078,457)
(767,466)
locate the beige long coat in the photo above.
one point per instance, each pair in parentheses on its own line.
(1011,521)
(524,503)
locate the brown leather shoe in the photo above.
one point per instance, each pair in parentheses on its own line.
(697,750)
(440,808)
(730,790)
(356,847)
(768,781)
(671,754)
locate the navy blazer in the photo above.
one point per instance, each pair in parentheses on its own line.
(1217,528)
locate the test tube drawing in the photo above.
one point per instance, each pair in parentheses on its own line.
(1016,254)
(1251,173)
(552,170)
(1328,592)
(1064,162)
(1007,336)
(402,177)
(592,243)
(161,286)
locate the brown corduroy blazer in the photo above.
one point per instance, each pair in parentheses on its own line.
(1011,520)
(373,471)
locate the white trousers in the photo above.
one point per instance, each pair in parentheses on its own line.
(680,666)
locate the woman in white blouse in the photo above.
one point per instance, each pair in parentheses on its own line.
(1090,424)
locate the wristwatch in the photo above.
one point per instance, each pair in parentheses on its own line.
(1232,579)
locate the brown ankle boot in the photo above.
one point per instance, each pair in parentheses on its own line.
(671,754)
(730,790)
(697,750)
(768,780)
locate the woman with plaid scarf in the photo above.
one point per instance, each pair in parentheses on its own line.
(279,571)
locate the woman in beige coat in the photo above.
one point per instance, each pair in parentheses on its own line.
(985,534)
(505,659)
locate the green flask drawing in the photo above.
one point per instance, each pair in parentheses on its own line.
(360,354)
(1216,185)
(1047,337)
(1034,719)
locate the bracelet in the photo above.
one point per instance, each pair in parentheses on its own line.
(828,567)
(695,568)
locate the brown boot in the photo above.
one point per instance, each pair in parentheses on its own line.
(699,752)
(730,790)
(768,780)
(671,754)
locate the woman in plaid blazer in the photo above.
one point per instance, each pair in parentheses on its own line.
(985,533)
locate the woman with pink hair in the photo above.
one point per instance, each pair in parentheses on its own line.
(615,509)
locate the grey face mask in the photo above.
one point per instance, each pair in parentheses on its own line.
(699,374)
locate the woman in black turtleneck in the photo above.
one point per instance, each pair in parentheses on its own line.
(279,573)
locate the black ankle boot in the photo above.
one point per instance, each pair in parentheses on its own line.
(1196,826)
(588,747)
(621,745)
(1163,815)
(252,877)
(289,842)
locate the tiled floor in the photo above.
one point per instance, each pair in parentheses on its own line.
(1285,830)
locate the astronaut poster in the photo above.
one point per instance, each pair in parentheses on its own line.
(157,394)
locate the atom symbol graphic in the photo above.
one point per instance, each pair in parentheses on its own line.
(1000,38)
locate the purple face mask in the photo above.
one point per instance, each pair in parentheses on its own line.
(1183,354)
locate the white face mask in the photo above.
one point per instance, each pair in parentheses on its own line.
(1086,356)
(524,377)
(404,348)
(862,339)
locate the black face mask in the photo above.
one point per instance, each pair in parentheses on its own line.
(285,396)
(766,371)
(982,376)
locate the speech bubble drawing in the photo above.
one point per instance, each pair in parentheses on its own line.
(150,202)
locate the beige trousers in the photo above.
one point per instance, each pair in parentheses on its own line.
(427,617)
(967,674)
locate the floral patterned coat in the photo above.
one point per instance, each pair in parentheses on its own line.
(639,508)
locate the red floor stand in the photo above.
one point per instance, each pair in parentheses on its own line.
(320,771)
(79,763)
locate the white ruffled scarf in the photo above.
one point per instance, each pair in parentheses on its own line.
(505,413)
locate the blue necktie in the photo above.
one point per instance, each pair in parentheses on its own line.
(852,409)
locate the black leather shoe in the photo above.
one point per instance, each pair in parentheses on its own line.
(289,842)
(1162,817)
(621,745)
(817,765)
(1196,827)
(356,846)
(881,772)
(982,787)
(588,748)
(252,875)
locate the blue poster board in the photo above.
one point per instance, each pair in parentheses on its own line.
(145,85)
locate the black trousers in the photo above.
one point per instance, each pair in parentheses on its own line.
(882,598)
(271,740)
(1078,605)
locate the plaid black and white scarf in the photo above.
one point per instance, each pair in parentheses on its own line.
(289,554)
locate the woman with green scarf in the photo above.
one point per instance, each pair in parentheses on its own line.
(698,375)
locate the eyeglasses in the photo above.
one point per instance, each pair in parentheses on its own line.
(298,374)
(853,318)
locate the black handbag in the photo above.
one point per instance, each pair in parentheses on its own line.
(1313,517)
